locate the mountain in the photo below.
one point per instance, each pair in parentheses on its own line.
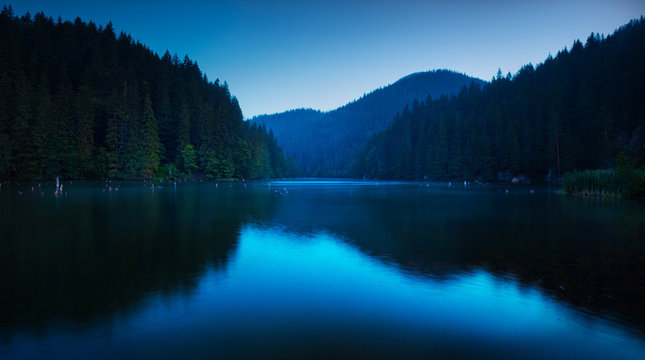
(579,110)
(79,102)
(288,126)
(326,143)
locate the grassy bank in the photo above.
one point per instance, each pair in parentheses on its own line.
(616,183)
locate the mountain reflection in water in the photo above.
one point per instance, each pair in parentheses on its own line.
(327,269)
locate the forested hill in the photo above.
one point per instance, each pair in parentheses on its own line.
(325,144)
(578,110)
(289,125)
(78,101)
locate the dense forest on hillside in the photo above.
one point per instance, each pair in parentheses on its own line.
(288,127)
(579,110)
(325,143)
(79,102)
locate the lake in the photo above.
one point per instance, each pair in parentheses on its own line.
(318,269)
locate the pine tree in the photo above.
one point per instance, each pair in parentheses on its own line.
(61,157)
(42,126)
(151,146)
(84,129)
(20,128)
(189,158)
(113,142)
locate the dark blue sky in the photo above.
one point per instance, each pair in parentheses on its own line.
(283,54)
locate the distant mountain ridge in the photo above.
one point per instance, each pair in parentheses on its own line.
(325,143)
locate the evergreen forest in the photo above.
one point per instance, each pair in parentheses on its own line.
(81,102)
(579,110)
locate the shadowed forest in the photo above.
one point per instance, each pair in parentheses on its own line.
(80,102)
(578,110)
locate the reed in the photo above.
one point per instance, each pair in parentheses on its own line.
(616,183)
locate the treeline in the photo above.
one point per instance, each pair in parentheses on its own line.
(324,144)
(80,102)
(578,110)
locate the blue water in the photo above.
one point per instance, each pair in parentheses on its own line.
(322,270)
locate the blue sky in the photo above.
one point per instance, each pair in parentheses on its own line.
(283,54)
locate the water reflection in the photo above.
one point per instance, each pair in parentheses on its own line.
(237,270)
(588,253)
(93,254)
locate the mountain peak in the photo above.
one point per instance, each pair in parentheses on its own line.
(324,143)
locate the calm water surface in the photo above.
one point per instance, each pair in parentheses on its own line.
(325,269)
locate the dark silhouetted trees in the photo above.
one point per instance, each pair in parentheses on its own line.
(575,111)
(78,101)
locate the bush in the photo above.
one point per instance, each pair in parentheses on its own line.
(622,182)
